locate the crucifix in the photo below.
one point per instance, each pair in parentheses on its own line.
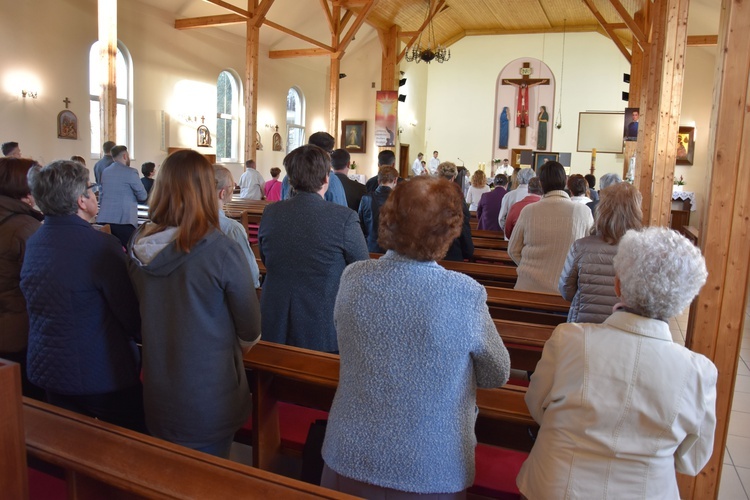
(67,101)
(522,106)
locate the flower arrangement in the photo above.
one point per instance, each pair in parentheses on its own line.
(496,160)
(679,182)
(353,166)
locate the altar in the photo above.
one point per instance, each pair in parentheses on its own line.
(683,202)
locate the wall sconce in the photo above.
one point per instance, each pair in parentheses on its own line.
(29,93)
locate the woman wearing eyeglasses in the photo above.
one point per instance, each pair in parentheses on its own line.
(83,313)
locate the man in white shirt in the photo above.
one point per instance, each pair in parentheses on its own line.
(434,162)
(252,185)
(417,169)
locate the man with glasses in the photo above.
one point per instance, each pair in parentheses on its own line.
(121,191)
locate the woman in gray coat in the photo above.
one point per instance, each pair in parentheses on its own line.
(588,278)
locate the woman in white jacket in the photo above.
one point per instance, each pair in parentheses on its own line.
(621,407)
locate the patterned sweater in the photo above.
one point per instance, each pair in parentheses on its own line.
(416,341)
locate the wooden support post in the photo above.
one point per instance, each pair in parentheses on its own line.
(251,83)
(334,70)
(389,66)
(107,18)
(636,78)
(661,100)
(716,326)
(13,457)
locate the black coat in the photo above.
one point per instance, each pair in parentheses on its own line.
(369,216)
(353,191)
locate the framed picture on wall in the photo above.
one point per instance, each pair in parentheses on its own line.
(515,157)
(685,146)
(354,136)
(542,158)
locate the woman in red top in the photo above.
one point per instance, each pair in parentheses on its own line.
(273,187)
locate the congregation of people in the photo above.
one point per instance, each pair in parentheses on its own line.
(146,327)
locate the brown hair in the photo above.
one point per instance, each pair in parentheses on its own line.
(577,184)
(479,179)
(387,174)
(13,171)
(307,168)
(448,170)
(275,171)
(618,210)
(427,237)
(184,196)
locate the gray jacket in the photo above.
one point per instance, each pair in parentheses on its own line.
(588,280)
(122,189)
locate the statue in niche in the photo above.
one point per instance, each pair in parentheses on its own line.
(541,136)
(504,128)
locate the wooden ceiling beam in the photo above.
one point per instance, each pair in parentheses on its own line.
(329,18)
(636,30)
(438,8)
(293,33)
(261,11)
(458,36)
(361,16)
(207,21)
(555,29)
(612,35)
(345,19)
(229,6)
(286,54)
(702,40)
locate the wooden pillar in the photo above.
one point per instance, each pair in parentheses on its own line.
(335,69)
(251,81)
(13,476)
(716,325)
(636,79)
(389,67)
(107,18)
(661,100)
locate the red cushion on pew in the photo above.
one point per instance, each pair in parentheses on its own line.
(497,469)
(294,423)
(46,487)
(518,381)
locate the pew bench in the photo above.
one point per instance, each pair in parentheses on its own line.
(309,379)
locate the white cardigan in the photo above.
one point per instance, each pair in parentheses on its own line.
(620,407)
(542,238)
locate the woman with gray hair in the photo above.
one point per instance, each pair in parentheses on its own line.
(517,194)
(622,407)
(83,313)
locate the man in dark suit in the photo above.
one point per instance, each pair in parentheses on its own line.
(369,208)
(104,162)
(340,160)
(305,244)
(386,158)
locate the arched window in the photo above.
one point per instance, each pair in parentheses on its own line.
(124,83)
(295,119)
(227,117)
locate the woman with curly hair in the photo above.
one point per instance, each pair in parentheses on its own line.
(444,344)
(622,407)
(477,189)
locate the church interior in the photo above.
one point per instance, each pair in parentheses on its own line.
(294,67)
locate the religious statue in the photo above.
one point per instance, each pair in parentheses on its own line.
(504,128)
(522,107)
(541,136)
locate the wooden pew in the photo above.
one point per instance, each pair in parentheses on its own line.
(492,256)
(309,379)
(524,342)
(13,477)
(105,461)
(527,307)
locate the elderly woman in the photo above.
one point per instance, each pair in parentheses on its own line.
(18,221)
(545,231)
(199,311)
(403,416)
(621,407)
(523,176)
(588,277)
(463,246)
(83,313)
(305,244)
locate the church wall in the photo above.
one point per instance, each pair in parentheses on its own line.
(461,94)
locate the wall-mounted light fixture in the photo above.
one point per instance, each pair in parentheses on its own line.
(29,93)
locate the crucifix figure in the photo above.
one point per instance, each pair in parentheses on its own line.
(522,106)
(67,101)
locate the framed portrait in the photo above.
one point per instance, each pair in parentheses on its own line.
(277,141)
(515,157)
(542,158)
(685,146)
(632,117)
(204,137)
(354,136)
(67,125)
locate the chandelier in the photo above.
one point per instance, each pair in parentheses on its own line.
(431,50)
